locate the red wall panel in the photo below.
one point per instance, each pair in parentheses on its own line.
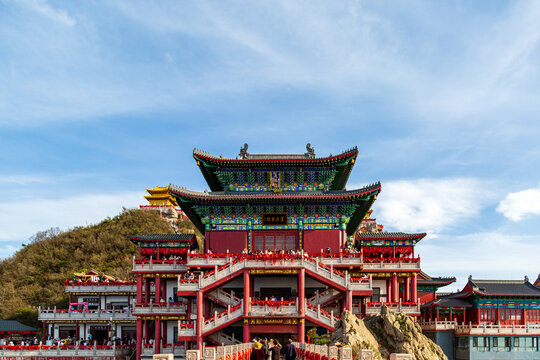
(315,240)
(220,241)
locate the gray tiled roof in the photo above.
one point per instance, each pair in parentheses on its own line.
(269,194)
(448,302)
(15,326)
(504,287)
(162,237)
(388,235)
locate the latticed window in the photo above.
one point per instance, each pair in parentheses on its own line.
(261,177)
(241,178)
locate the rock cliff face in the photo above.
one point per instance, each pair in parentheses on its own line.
(384,334)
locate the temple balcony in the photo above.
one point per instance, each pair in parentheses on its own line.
(59,315)
(273,308)
(334,259)
(233,267)
(100,287)
(149,350)
(186,330)
(159,308)
(410,308)
(497,329)
(151,265)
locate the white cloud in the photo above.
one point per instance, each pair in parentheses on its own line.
(20,220)
(484,255)
(429,205)
(45,9)
(518,205)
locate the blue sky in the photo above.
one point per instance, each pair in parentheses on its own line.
(99,100)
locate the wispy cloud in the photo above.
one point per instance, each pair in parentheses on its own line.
(65,213)
(430,205)
(477,254)
(518,205)
(44,8)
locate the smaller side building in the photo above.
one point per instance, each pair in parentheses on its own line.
(100,308)
(13,332)
(487,320)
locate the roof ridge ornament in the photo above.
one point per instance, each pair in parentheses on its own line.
(310,151)
(243,152)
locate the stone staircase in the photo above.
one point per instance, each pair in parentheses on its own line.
(223,298)
(221,338)
(325,297)
(315,314)
(314,267)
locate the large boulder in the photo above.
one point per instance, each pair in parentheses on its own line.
(384,334)
(352,331)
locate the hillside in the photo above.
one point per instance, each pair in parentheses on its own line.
(35,275)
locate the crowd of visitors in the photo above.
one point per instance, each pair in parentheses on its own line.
(264,349)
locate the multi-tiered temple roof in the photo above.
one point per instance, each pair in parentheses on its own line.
(308,189)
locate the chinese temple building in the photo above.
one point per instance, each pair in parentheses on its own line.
(160,200)
(287,248)
(100,308)
(488,319)
(12,331)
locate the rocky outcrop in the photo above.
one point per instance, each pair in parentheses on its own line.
(384,334)
(352,331)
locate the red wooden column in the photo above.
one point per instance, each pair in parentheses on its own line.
(450,314)
(395,288)
(146,332)
(247,291)
(407,289)
(164,289)
(388,289)
(348,300)
(139,339)
(139,288)
(157,285)
(436,314)
(164,332)
(77,332)
(199,319)
(414,294)
(44,332)
(146,290)
(301,304)
(524,317)
(157,332)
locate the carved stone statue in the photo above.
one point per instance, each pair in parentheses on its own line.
(310,151)
(243,152)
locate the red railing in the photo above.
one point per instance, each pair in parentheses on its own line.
(223,313)
(391,304)
(61,347)
(324,312)
(101,283)
(160,262)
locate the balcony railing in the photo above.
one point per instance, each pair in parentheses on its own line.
(159,308)
(338,259)
(100,287)
(273,308)
(373,308)
(438,325)
(173,265)
(31,351)
(65,314)
(497,329)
